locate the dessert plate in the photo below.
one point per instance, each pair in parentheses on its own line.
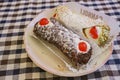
(49,58)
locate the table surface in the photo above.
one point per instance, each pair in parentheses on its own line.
(14,61)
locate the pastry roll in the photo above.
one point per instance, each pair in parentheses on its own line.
(71,45)
(98,33)
(95,30)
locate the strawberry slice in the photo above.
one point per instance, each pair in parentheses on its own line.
(82,46)
(43,21)
(93,32)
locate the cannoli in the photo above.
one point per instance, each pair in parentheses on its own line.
(95,30)
(70,44)
(98,33)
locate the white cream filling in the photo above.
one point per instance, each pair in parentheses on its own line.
(77,41)
(98,30)
(49,24)
(88,32)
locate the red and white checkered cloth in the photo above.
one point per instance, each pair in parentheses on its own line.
(14,61)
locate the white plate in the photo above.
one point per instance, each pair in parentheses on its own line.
(44,57)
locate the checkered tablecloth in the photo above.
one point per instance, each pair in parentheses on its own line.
(14,61)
